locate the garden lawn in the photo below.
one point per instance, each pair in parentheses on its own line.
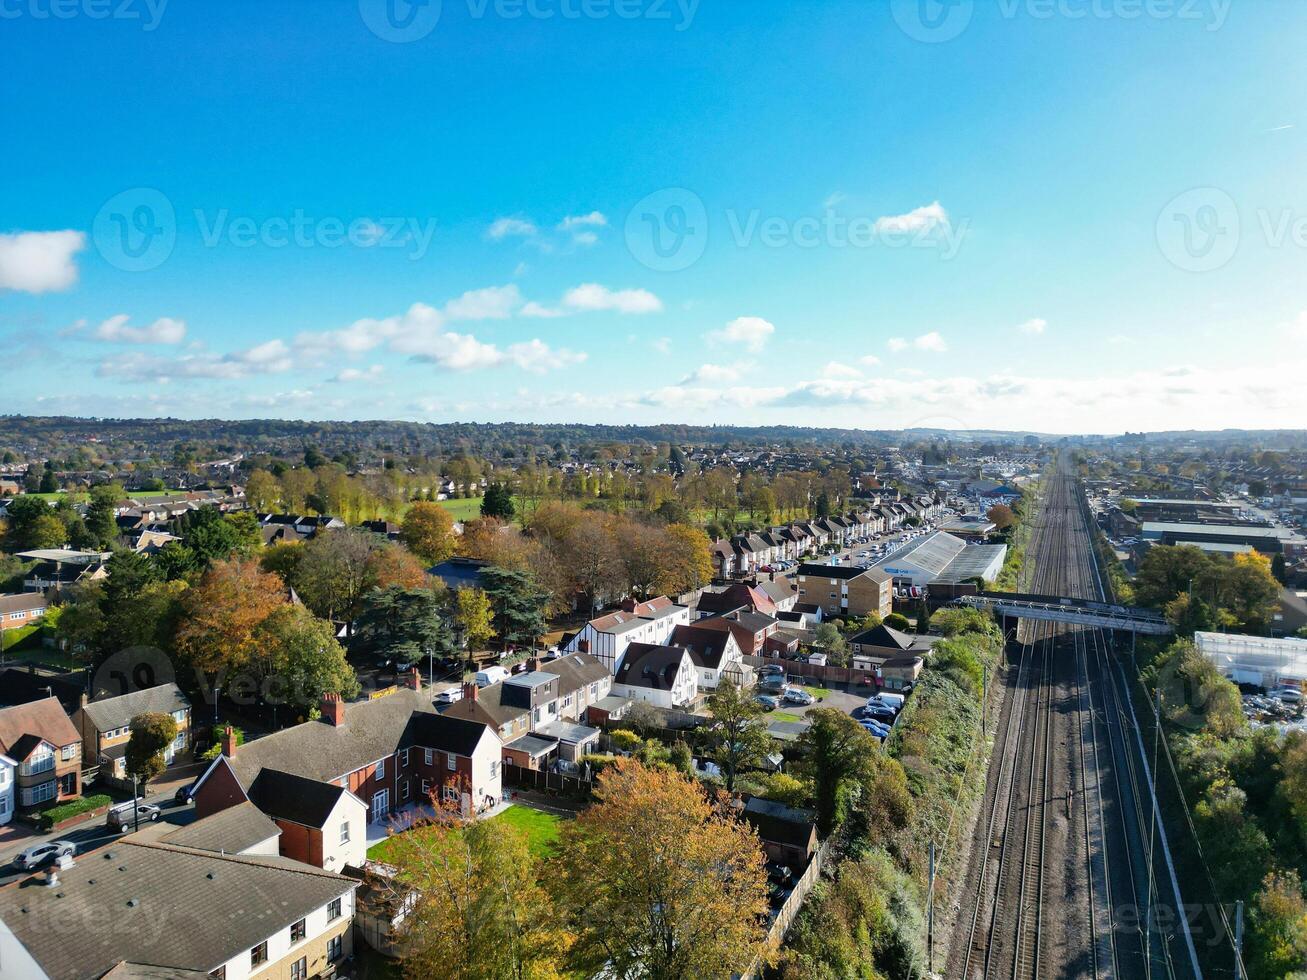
(541,830)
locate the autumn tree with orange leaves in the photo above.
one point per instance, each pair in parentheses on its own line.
(221,615)
(660,883)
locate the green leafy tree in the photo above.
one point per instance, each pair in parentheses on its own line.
(475,615)
(402,624)
(831,641)
(101,522)
(518,604)
(428,531)
(837,759)
(301,660)
(151,734)
(737,737)
(498,502)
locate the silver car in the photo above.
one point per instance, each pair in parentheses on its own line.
(39,855)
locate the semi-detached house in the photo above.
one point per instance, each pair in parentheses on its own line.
(607,637)
(367,759)
(46,752)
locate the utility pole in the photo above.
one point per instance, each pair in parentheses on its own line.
(1238,940)
(930,915)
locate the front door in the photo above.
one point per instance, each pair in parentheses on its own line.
(380,805)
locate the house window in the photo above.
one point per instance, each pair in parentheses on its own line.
(344,831)
(67,752)
(427,756)
(426,787)
(259,954)
(450,793)
(298,931)
(451,761)
(333,910)
(38,794)
(381,769)
(494,769)
(335,947)
(299,970)
(403,790)
(403,757)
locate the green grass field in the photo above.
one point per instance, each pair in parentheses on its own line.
(541,830)
(463,508)
(81,497)
(783,716)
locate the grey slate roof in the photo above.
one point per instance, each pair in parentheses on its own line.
(574,671)
(231,830)
(650,665)
(170,907)
(370,731)
(107,714)
(300,800)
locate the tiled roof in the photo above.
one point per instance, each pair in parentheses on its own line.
(231,830)
(107,714)
(171,907)
(44,718)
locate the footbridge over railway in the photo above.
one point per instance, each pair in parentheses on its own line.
(1075,612)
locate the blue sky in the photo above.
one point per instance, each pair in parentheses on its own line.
(1061,215)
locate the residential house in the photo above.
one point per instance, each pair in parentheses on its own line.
(782,593)
(752,630)
(21,609)
(319,823)
(607,637)
(389,752)
(180,913)
(846,590)
(716,655)
(662,675)
(58,568)
(740,596)
(105,726)
(47,750)
(895,657)
(460,573)
(8,792)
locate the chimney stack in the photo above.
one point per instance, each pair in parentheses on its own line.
(82,699)
(333,709)
(228,742)
(470,690)
(532,663)
(413,679)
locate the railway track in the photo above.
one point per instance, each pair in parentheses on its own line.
(1062,864)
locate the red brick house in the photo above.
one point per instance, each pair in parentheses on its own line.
(47,752)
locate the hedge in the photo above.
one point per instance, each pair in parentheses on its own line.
(46,819)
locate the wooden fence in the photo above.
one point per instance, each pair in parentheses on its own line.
(547,782)
(817,676)
(789,911)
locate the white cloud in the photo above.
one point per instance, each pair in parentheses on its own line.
(491,303)
(538,357)
(591,297)
(932,341)
(663,345)
(837,369)
(165,330)
(348,375)
(869,360)
(39,261)
(918,220)
(585,238)
(270,357)
(503,228)
(541,312)
(1034,327)
(752,332)
(594,219)
(712,374)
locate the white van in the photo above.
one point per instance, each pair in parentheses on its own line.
(491,675)
(887,700)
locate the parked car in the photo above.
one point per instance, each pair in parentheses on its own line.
(491,675)
(797,695)
(879,713)
(184,794)
(886,699)
(767,702)
(772,669)
(39,855)
(450,695)
(121,819)
(1290,695)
